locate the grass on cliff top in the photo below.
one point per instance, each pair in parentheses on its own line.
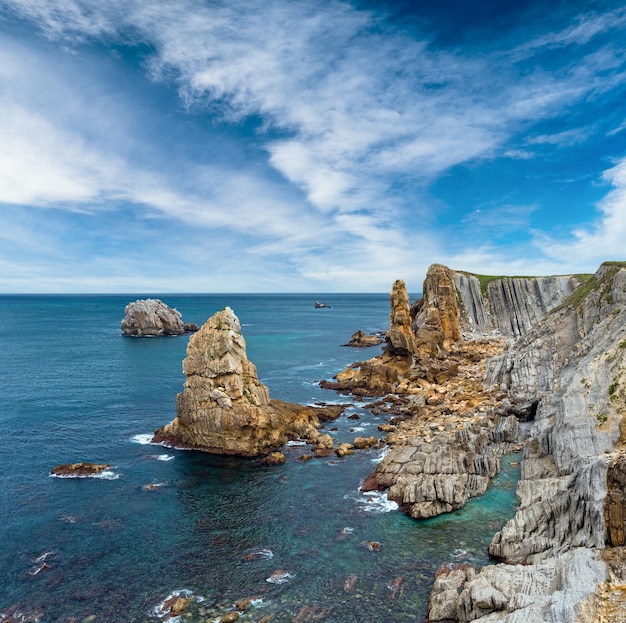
(590,283)
(485,280)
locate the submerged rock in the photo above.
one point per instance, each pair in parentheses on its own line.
(79,470)
(152,317)
(224,408)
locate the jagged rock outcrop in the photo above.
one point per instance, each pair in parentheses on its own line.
(400,339)
(380,375)
(79,470)
(360,339)
(150,317)
(224,408)
(568,375)
(554,591)
(437,326)
(430,477)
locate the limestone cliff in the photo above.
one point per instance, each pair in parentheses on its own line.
(449,443)
(567,374)
(509,306)
(224,408)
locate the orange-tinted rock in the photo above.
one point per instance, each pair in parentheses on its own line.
(224,408)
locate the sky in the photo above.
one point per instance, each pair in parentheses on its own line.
(307,146)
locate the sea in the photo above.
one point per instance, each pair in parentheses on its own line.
(297,542)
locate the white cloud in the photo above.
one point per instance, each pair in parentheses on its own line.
(602,239)
(350,108)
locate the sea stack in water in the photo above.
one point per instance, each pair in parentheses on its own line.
(150,317)
(224,408)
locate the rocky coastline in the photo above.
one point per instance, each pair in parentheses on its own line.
(460,370)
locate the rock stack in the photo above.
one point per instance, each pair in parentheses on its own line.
(224,408)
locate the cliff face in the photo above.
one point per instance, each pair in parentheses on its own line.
(509,306)
(224,408)
(567,373)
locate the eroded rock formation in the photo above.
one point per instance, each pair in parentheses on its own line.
(79,470)
(151,317)
(568,374)
(224,408)
(553,355)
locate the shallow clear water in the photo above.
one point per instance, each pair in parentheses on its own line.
(74,389)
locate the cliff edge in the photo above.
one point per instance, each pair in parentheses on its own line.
(563,551)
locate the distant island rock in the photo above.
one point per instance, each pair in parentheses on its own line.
(224,408)
(360,339)
(152,317)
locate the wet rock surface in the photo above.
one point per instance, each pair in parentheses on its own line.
(79,470)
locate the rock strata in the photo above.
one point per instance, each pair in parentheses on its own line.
(224,408)
(152,317)
(485,352)
(567,376)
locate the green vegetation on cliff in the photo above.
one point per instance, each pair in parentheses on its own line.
(592,283)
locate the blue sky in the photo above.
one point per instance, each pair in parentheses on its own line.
(303,146)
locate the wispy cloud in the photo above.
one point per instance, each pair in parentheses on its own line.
(349,108)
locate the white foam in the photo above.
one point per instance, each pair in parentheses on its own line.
(359,429)
(153,485)
(164,457)
(43,557)
(107,474)
(263,553)
(381,455)
(297,442)
(257,603)
(163,609)
(279,577)
(143,438)
(373,502)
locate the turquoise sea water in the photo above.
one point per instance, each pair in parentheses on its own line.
(112,549)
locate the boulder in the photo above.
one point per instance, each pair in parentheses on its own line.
(151,317)
(224,408)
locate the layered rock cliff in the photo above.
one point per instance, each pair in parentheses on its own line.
(486,352)
(509,306)
(224,408)
(568,375)
(449,443)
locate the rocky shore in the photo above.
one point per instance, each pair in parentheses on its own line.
(460,370)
